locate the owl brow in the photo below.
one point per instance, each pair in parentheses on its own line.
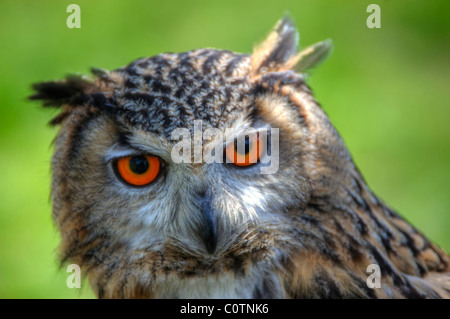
(123,147)
(132,143)
(120,149)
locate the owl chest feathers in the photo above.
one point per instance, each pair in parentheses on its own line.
(221,285)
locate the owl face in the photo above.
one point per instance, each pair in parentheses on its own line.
(141,223)
(203,207)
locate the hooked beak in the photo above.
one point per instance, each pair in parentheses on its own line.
(208,229)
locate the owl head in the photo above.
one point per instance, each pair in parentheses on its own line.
(139,222)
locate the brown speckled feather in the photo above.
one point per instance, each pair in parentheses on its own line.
(310,230)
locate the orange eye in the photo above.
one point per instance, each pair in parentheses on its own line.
(138,170)
(246,154)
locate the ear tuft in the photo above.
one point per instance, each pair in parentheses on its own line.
(279,51)
(279,46)
(57,93)
(311,56)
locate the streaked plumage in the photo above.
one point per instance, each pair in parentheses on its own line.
(308,231)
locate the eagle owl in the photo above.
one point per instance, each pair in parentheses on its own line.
(143,225)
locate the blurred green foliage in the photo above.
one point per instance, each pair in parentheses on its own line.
(386,90)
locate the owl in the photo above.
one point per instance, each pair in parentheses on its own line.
(141,223)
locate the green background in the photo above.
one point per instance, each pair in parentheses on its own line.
(386,90)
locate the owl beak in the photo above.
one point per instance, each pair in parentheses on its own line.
(208,230)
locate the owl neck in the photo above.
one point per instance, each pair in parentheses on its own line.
(343,202)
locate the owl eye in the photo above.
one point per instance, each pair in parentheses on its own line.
(246,155)
(138,170)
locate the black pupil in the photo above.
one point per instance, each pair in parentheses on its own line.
(246,145)
(138,164)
